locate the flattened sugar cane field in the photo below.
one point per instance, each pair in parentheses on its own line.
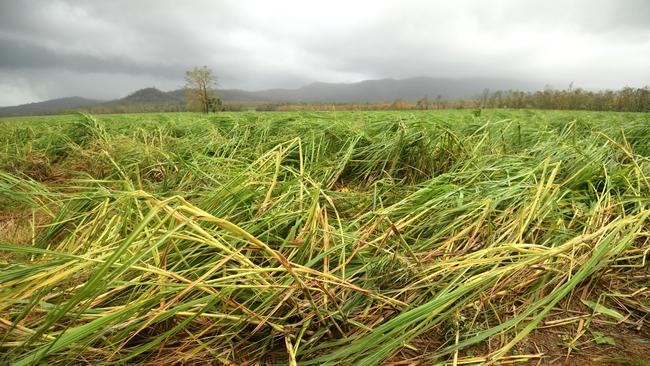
(323,238)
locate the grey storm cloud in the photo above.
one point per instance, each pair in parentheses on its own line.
(26,55)
(105,49)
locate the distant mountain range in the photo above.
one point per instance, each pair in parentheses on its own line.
(382,90)
(48,106)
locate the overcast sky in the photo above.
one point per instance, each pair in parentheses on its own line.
(107,49)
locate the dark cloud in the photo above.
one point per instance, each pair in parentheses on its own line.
(106,49)
(25,55)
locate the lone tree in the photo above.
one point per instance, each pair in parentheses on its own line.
(200,90)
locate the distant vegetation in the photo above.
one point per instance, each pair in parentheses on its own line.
(624,100)
(353,238)
(386,94)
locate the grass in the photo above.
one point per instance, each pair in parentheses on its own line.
(354,238)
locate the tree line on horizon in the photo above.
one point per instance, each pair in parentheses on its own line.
(201,93)
(624,100)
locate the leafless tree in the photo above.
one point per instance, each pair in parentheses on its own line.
(200,90)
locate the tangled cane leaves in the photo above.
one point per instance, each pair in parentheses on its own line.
(315,238)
